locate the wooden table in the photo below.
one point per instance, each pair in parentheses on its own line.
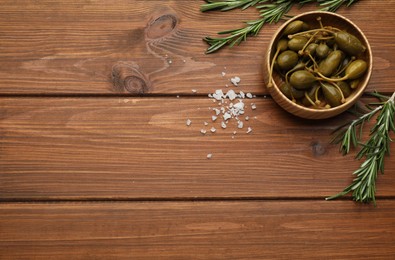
(97,168)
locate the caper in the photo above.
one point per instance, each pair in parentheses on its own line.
(291,92)
(329,65)
(293,27)
(349,43)
(282,45)
(331,94)
(297,43)
(354,83)
(285,88)
(356,69)
(345,88)
(287,59)
(302,79)
(322,50)
(311,48)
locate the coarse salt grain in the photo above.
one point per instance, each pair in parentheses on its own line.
(249,95)
(213,118)
(240,124)
(226,116)
(253,106)
(235,81)
(231,94)
(209,156)
(249,130)
(223,125)
(203,131)
(194,90)
(189,122)
(213,130)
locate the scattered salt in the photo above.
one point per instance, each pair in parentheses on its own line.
(235,81)
(226,116)
(218,95)
(231,94)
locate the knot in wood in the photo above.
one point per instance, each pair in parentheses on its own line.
(126,77)
(317,148)
(161,26)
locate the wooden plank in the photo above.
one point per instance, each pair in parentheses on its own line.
(74,47)
(198,230)
(74,148)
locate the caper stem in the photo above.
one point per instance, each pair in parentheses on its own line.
(317,101)
(307,43)
(309,99)
(313,60)
(309,31)
(345,67)
(330,79)
(270,83)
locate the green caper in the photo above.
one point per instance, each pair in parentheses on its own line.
(297,43)
(285,88)
(345,88)
(322,50)
(287,59)
(302,79)
(311,48)
(329,65)
(349,43)
(293,27)
(356,69)
(331,94)
(354,83)
(282,45)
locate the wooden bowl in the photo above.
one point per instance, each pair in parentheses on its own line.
(328,19)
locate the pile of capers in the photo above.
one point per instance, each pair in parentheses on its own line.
(320,67)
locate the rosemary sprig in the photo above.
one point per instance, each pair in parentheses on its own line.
(271,11)
(375,149)
(227,5)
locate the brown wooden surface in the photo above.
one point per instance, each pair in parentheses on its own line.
(198,230)
(90,170)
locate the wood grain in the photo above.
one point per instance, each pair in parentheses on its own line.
(72,47)
(198,230)
(84,148)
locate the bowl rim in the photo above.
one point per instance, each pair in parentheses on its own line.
(358,92)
